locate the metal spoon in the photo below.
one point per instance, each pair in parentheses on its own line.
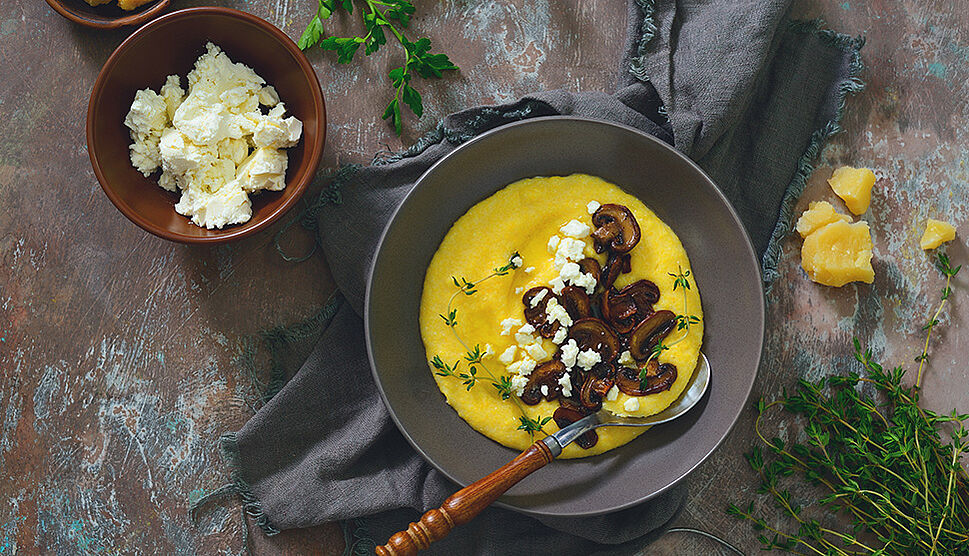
(471,500)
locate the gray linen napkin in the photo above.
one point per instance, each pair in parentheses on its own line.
(749,95)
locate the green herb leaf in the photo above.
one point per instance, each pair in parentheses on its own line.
(312,34)
(378,18)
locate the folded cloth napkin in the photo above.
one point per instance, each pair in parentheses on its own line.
(735,85)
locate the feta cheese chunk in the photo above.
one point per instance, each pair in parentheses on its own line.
(525,335)
(560,335)
(613,394)
(537,298)
(631,405)
(536,351)
(588,359)
(575,229)
(508,324)
(593,206)
(557,313)
(523,367)
(565,381)
(508,355)
(570,353)
(518,383)
(553,243)
(626,359)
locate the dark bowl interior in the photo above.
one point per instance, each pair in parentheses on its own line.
(170,45)
(726,271)
(107,16)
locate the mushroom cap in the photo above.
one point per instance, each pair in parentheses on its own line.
(616,229)
(649,332)
(595,334)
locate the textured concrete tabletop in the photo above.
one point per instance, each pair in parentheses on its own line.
(118,350)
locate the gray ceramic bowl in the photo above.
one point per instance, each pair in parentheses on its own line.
(724,265)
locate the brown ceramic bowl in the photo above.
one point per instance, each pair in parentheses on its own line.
(107,16)
(725,268)
(170,45)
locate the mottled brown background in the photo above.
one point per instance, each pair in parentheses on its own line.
(117,349)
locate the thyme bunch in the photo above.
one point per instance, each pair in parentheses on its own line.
(474,356)
(884,463)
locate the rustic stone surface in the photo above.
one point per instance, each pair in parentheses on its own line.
(118,350)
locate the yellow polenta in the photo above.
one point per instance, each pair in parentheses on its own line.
(521,218)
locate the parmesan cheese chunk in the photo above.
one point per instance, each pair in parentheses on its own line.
(936,233)
(838,253)
(853,185)
(818,215)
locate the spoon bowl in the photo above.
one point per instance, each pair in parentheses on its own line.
(690,396)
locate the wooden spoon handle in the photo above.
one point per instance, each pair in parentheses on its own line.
(466,503)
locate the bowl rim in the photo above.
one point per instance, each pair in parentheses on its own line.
(761,309)
(114,23)
(297,188)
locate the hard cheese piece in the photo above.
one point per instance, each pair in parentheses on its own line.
(853,185)
(818,215)
(936,233)
(132,4)
(838,253)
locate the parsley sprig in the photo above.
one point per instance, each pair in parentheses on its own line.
(877,456)
(378,16)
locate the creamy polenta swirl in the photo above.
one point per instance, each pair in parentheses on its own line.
(522,218)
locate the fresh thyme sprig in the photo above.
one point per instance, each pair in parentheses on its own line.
(683,322)
(880,459)
(474,356)
(946,269)
(377,16)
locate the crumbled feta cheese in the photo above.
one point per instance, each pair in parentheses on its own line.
(523,367)
(593,206)
(588,359)
(626,359)
(508,324)
(530,270)
(631,405)
(508,355)
(517,261)
(536,351)
(570,272)
(553,242)
(518,383)
(613,394)
(565,381)
(544,389)
(556,284)
(587,281)
(488,350)
(560,335)
(556,313)
(202,139)
(537,298)
(519,289)
(570,352)
(569,249)
(575,229)
(525,335)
